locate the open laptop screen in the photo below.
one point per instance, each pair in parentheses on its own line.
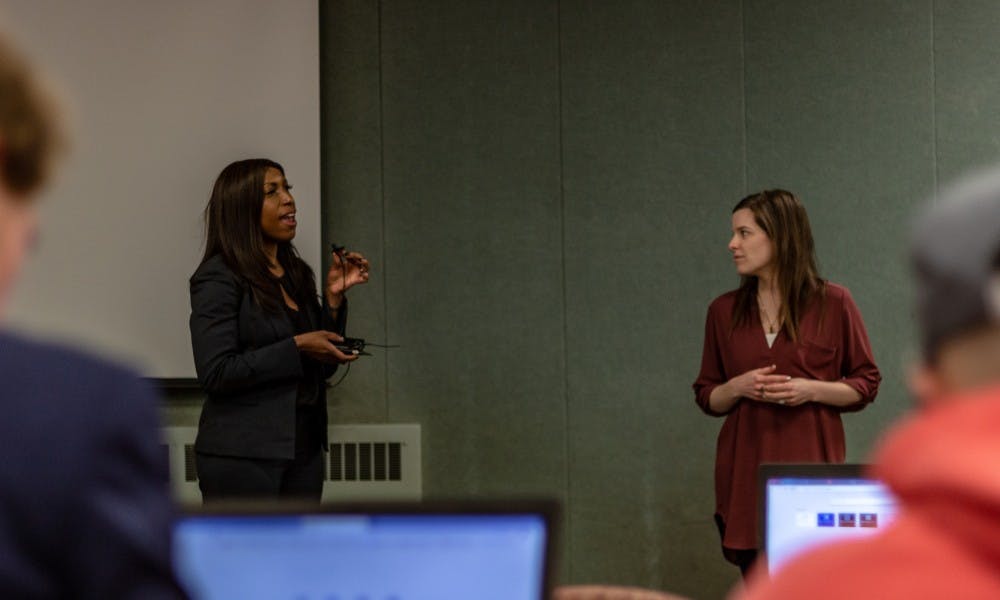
(349,555)
(804,506)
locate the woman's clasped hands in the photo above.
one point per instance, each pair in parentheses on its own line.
(764,385)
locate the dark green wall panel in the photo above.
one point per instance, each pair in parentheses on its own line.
(839,109)
(545,189)
(473,243)
(352,188)
(967,83)
(653,155)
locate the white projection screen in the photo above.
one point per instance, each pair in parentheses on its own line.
(161,96)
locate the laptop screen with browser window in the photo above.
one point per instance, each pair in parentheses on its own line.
(804,506)
(414,553)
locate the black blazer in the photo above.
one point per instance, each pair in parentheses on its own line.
(248,365)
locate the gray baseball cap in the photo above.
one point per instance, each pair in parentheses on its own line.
(955,249)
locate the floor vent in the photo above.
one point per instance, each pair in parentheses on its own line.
(183,477)
(373,462)
(365,462)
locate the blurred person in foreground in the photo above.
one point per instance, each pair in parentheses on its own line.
(943,463)
(85,510)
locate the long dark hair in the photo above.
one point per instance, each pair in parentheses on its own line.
(232,230)
(783,218)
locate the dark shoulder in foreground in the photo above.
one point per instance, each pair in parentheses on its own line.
(20,355)
(58,384)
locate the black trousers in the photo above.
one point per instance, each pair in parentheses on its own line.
(239,478)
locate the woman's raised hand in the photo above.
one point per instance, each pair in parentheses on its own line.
(347,269)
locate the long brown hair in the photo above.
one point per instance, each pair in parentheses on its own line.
(232,229)
(781,215)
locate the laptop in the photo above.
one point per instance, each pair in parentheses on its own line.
(427,551)
(803,506)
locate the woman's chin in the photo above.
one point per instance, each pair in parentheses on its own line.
(281,238)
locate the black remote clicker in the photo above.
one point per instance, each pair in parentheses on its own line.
(351,346)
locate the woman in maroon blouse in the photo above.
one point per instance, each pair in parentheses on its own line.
(784,355)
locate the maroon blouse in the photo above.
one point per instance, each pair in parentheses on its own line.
(832,346)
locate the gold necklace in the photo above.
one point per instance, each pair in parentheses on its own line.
(770,325)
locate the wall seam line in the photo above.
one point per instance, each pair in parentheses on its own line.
(567,537)
(385,271)
(935,172)
(743,96)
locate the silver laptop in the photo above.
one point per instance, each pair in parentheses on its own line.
(453,551)
(803,506)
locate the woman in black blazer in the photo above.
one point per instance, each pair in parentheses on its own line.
(263,342)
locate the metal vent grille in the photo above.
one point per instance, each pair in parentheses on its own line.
(336,462)
(165,448)
(364,462)
(183,476)
(373,462)
(190,466)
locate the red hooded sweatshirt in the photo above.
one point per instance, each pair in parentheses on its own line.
(944,468)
